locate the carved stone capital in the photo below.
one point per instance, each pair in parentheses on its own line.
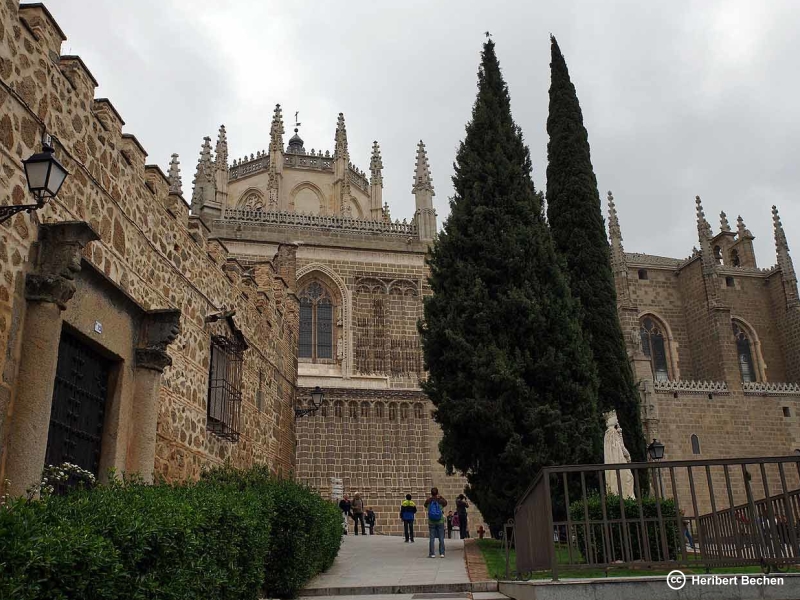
(58,259)
(153,359)
(159,329)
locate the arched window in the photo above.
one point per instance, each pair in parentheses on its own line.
(253,201)
(654,347)
(324,409)
(735,260)
(695,444)
(337,408)
(418,411)
(365,409)
(353,410)
(392,411)
(404,411)
(316,323)
(744,352)
(379,410)
(718,255)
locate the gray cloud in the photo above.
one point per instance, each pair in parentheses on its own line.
(679,98)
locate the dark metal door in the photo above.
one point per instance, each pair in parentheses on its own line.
(79,400)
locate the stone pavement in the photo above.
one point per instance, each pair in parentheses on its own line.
(379,561)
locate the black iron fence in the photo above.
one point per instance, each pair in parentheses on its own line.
(697,513)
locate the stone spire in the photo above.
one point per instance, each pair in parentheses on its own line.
(341,170)
(221,151)
(422,173)
(422,189)
(175,184)
(204,190)
(724,226)
(276,130)
(376,183)
(743,230)
(340,139)
(619,265)
(785,260)
(707,254)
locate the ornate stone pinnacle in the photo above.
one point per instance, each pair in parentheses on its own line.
(613,220)
(175,184)
(276,130)
(341,138)
(375,163)
(780,234)
(723,222)
(422,174)
(221,151)
(703,227)
(743,231)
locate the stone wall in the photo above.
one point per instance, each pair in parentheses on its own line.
(148,249)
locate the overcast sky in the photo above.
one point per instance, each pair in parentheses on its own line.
(680,98)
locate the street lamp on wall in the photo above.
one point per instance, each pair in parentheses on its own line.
(655,450)
(45,177)
(316,403)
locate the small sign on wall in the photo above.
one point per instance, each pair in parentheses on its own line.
(98,327)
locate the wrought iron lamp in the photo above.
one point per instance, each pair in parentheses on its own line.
(45,177)
(316,403)
(655,450)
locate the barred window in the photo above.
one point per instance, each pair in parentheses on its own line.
(418,411)
(353,410)
(225,386)
(337,409)
(392,411)
(654,348)
(365,409)
(404,411)
(316,323)
(379,410)
(324,409)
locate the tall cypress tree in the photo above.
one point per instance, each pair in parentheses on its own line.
(578,229)
(510,373)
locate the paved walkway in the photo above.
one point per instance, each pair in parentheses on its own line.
(378,560)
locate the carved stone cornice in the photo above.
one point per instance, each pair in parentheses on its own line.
(159,329)
(58,259)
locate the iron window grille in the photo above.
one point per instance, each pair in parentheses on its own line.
(225,387)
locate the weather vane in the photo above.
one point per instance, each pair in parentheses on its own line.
(296,122)
(487,34)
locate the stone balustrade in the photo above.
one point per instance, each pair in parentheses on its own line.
(691,387)
(343,224)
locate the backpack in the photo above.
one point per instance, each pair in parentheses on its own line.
(434,511)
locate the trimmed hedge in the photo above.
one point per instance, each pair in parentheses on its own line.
(224,537)
(649,511)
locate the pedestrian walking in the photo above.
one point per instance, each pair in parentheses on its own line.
(450,525)
(345,506)
(436,520)
(461,510)
(407,511)
(370,520)
(358,514)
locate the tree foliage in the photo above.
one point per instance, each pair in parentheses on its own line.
(578,229)
(510,373)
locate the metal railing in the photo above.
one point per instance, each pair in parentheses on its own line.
(697,513)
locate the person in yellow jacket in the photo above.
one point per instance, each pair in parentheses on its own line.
(407,511)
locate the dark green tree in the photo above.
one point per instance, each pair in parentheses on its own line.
(510,373)
(578,229)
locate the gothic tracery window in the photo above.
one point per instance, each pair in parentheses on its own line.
(654,347)
(316,323)
(744,353)
(253,201)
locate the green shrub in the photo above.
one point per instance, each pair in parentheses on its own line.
(216,538)
(651,529)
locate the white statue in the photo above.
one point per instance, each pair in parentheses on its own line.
(614,452)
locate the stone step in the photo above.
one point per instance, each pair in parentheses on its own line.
(428,588)
(488,596)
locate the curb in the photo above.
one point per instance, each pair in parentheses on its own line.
(430,588)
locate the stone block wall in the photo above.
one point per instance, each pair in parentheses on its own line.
(145,250)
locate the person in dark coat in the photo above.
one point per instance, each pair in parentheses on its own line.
(346,507)
(450,524)
(370,520)
(461,509)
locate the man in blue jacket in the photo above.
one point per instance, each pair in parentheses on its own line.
(407,511)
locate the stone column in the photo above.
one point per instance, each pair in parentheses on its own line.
(159,329)
(48,288)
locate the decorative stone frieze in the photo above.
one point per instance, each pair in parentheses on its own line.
(319,222)
(757,388)
(691,387)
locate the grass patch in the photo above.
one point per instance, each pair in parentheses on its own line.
(495,558)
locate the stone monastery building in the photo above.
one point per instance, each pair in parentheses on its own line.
(142,335)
